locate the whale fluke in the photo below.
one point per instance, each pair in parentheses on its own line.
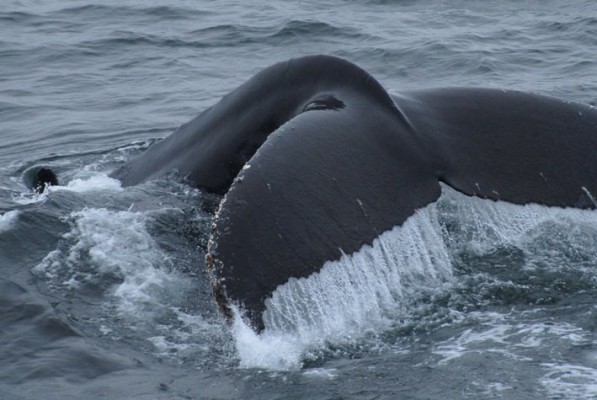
(316,159)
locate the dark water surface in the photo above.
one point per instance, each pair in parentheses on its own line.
(102,289)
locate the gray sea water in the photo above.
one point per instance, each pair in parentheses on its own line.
(102,288)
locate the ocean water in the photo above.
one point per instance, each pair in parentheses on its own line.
(103,292)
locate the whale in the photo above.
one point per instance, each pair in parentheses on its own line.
(315,159)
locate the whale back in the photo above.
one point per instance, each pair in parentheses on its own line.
(210,150)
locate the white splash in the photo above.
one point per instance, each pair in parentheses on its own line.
(110,244)
(270,350)
(377,285)
(498,333)
(113,254)
(484,225)
(8,220)
(570,381)
(360,292)
(99,182)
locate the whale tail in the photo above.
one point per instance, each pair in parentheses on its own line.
(316,160)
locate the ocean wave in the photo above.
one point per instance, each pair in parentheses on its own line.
(227,35)
(19,17)
(125,12)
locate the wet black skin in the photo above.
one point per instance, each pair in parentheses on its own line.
(331,161)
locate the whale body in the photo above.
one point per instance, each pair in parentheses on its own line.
(316,159)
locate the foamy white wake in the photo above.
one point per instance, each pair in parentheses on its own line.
(505,334)
(8,219)
(109,245)
(112,254)
(96,182)
(570,381)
